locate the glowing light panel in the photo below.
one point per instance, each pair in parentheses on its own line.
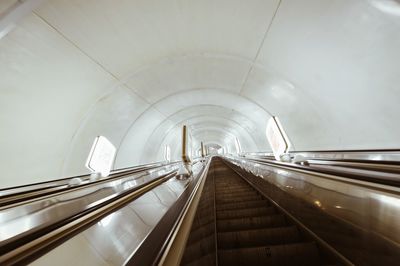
(101,156)
(167,153)
(277,138)
(237,146)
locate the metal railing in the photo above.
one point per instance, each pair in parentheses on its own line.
(19,194)
(54,218)
(378,166)
(343,205)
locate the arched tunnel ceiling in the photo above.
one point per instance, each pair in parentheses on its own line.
(136,71)
(206,116)
(182,107)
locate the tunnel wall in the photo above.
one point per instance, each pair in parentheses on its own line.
(136,71)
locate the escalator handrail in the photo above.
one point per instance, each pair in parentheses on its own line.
(375,177)
(157,244)
(394,150)
(384,166)
(373,156)
(119,170)
(31,246)
(18,198)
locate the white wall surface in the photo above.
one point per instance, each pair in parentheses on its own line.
(136,71)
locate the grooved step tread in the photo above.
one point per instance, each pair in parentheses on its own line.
(242,205)
(201,232)
(286,255)
(277,220)
(205,260)
(236,194)
(238,199)
(199,249)
(230,187)
(248,212)
(234,190)
(260,237)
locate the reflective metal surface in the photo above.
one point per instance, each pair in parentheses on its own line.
(115,238)
(382,172)
(360,219)
(65,182)
(368,155)
(373,155)
(40,213)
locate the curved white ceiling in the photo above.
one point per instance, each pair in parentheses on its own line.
(136,71)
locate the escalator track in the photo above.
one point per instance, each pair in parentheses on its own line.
(246,228)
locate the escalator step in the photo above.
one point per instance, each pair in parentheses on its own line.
(237,194)
(199,249)
(248,212)
(242,205)
(231,184)
(227,189)
(198,225)
(205,208)
(208,260)
(238,199)
(201,232)
(251,223)
(260,237)
(233,192)
(292,254)
(224,189)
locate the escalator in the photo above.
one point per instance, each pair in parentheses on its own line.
(231,211)
(246,228)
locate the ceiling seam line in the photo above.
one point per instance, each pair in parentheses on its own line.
(91,58)
(76,46)
(260,47)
